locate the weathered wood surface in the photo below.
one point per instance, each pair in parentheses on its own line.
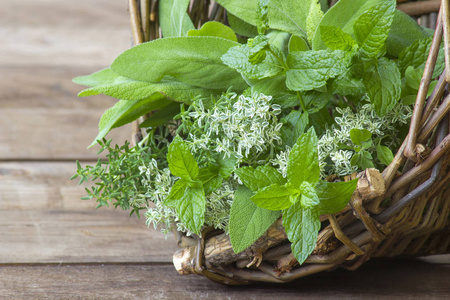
(375,280)
(55,246)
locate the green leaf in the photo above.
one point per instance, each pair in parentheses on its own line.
(276,197)
(162,116)
(241,27)
(336,39)
(303,162)
(346,84)
(210,179)
(285,15)
(372,29)
(191,208)
(173,18)
(214,28)
(279,39)
(302,229)
(259,178)
(359,136)
(313,19)
(343,15)
(271,86)
(181,161)
(416,55)
(413,77)
(311,69)
(309,197)
(294,125)
(243,59)
(384,154)
(383,85)
(124,112)
(334,196)
(176,192)
(192,60)
(227,166)
(102,77)
(262,16)
(248,221)
(297,43)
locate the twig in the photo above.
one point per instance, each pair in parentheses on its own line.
(135,20)
(420,7)
(445,18)
(434,120)
(145,16)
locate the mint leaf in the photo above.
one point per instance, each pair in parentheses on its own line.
(336,39)
(313,19)
(259,178)
(383,85)
(173,18)
(309,197)
(276,197)
(302,229)
(303,162)
(334,196)
(294,125)
(297,43)
(198,64)
(214,28)
(226,166)
(191,208)
(309,70)
(210,179)
(372,29)
(176,192)
(359,136)
(124,112)
(346,84)
(181,161)
(384,154)
(262,16)
(248,221)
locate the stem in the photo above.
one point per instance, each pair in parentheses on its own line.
(301,101)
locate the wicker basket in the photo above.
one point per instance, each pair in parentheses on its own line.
(414,189)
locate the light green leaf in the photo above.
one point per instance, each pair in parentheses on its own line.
(303,162)
(302,229)
(124,112)
(177,191)
(191,208)
(192,60)
(102,77)
(297,43)
(383,85)
(162,116)
(384,154)
(336,39)
(313,19)
(279,39)
(173,18)
(276,197)
(359,136)
(334,196)
(309,197)
(311,69)
(262,16)
(413,77)
(214,28)
(259,178)
(248,221)
(416,55)
(372,29)
(181,161)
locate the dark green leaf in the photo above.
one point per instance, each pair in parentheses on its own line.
(248,221)
(334,196)
(162,116)
(210,179)
(384,154)
(240,26)
(294,125)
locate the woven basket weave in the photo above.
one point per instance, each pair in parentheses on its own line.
(403,211)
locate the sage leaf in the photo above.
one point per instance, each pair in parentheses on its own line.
(181,161)
(174,19)
(302,229)
(241,27)
(303,164)
(259,178)
(192,60)
(248,221)
(214,28)
(162,116)
(372,28)
(334,196)
(309,70)
(383,85)
(276,197)
(102,77)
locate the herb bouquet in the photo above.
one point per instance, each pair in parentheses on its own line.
(253,129)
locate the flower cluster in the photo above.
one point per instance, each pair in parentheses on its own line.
(364,118)
(243,127)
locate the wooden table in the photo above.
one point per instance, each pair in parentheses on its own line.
(55,246)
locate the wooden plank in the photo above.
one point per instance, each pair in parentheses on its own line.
(377,280)
(102,236)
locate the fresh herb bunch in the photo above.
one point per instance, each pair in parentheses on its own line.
(248,120)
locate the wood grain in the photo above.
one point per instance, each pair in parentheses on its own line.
(407,279)
(102,236)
